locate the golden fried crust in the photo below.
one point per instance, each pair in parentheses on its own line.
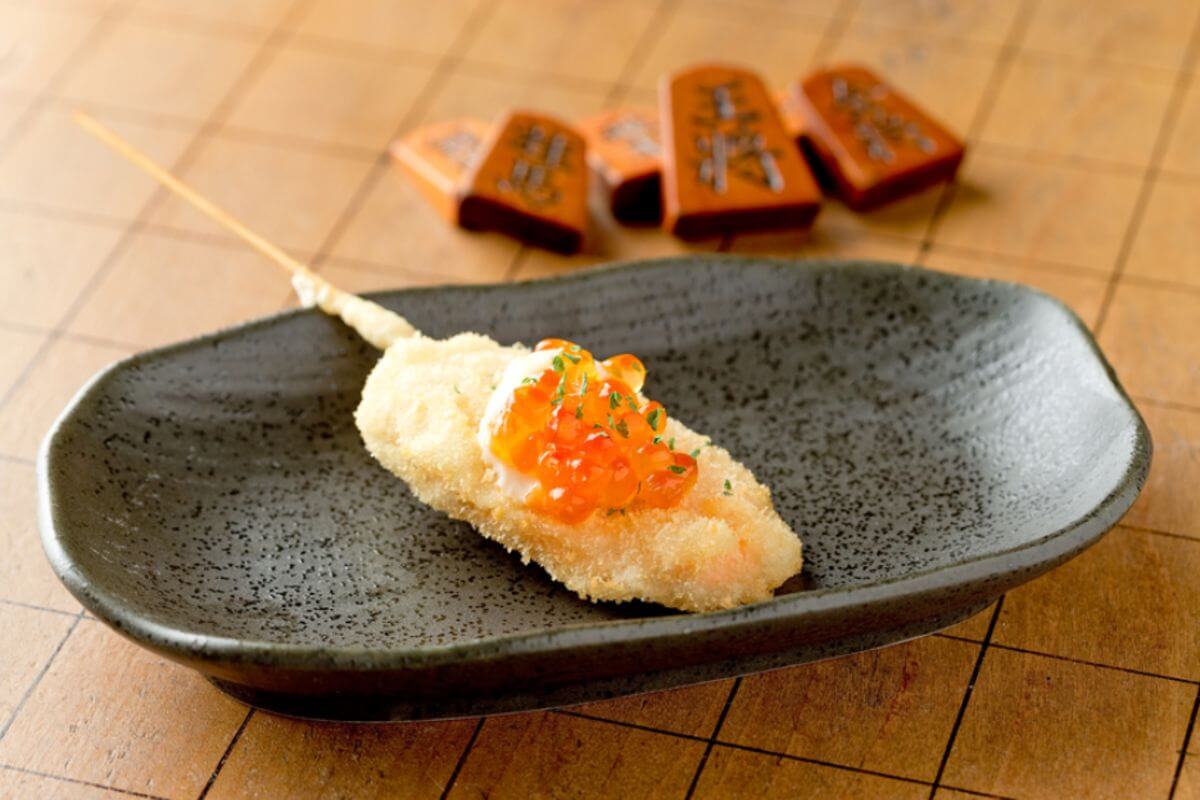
(419,414)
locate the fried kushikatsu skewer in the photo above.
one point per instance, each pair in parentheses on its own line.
(424,414)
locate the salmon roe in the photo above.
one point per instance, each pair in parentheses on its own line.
(592,443)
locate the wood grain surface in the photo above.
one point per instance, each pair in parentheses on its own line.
(1082,121)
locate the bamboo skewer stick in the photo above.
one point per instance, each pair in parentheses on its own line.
(373,322)
(198,201)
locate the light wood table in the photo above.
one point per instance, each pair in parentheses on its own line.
(1083,179)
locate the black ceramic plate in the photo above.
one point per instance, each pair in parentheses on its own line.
(935,440)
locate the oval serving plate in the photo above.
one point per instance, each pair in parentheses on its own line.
(935,440)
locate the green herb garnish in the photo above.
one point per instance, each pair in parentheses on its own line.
(653,417)
(728,487)
(558,364)
(678,470)
(622,429)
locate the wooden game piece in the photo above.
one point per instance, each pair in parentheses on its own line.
(728,163)
(625,154)
(873,142)
(790,114)
(438,157)
(531,183)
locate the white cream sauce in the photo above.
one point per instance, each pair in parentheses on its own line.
(531,365)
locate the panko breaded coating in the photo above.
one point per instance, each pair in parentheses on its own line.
(718,548)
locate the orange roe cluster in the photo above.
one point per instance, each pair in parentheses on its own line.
(590,441)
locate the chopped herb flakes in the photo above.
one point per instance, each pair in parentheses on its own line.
(606,435)
(728,487)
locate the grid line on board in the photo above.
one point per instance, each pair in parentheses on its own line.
(1161,141)
(991,90)
(216,117)
(259,59)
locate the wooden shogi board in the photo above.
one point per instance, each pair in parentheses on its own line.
(1082,179)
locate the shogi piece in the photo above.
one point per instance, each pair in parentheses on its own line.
(872,143)
(438,157)
(728,163)
(625,154)
(530,183)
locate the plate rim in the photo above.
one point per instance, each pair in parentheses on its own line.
(207,647)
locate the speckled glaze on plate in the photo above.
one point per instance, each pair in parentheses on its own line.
(935,440)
